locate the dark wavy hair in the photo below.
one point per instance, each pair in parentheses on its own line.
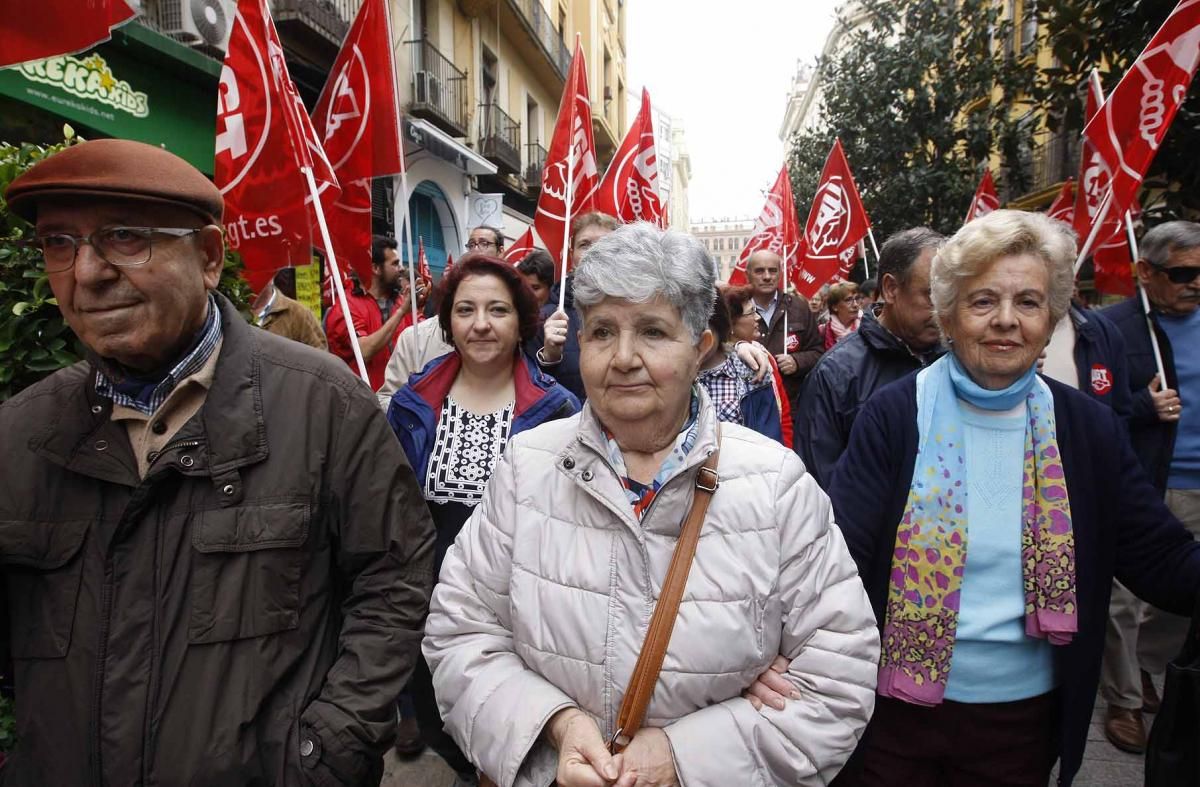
(528,318)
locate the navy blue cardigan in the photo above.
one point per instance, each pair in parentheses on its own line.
(1122,529)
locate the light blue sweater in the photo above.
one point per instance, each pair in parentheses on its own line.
(1184,333)
(994,661)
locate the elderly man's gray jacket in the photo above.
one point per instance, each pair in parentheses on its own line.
(544,600)
(246,614)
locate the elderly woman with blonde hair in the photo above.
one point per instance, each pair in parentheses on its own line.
(539,622)
(988,510)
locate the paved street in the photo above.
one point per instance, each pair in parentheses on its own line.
(1103,765)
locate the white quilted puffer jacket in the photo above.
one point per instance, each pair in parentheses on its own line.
(544,600)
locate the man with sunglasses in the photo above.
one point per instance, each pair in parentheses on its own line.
(1165,430)
(216,560)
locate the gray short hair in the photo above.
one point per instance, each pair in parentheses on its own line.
(1003,233)
(639,262)
(1158,243)
(901,251)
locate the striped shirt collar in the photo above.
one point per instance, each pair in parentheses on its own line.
(146,396)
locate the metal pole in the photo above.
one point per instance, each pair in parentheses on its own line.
(874,248)
(319,210)
(1101,215)
(1133,252)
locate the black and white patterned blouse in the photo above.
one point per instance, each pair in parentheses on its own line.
(465,452)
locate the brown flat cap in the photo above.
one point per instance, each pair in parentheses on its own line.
(116,168)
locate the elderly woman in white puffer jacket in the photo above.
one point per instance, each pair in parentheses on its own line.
(544,600)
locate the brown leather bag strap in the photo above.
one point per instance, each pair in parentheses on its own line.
(662,622)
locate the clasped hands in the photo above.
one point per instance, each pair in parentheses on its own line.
(584,761)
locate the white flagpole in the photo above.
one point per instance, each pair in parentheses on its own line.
(337,274)
(406,234)
(1133,252)
(874,248)
(786,255)
(1098,222)
(566,243)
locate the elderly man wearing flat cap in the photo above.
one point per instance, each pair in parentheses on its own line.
(216,558)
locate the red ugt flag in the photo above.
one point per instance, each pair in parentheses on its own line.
(559,201)
(520,248)
(1129,128)
(1063,207)
(836,224)
(263,139)
(47,28)
(629,190)
(1111,257)
(423,271)
(358,122)
(986,199)
(776,229)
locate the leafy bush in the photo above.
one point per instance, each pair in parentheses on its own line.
(34,340)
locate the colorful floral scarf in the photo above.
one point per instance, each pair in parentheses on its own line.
(640,495)
(931,540)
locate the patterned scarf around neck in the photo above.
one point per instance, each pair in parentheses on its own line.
(930,554)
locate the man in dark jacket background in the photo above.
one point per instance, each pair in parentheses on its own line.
(895,338)
(1164,427)
(217,559)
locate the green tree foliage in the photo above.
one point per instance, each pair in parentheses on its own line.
(925,92)
(34,340)
(910,97)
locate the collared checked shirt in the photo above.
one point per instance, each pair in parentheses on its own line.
(727,385)
(642,495)
(151,396)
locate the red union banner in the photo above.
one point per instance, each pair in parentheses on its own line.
(520,247)
(46,28)
(1063,207)
(836,224)
(263,138)
(559,202)
(985,200)
(776,229)
(1111,256)
(1129,128)
(629,190)
(358,122)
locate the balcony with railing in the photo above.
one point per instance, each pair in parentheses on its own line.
(439,89)
(326,19)
(499,138)
(530,28)
(535,162)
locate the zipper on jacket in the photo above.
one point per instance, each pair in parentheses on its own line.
(187,443)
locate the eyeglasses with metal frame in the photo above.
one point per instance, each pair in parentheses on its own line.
(120,246)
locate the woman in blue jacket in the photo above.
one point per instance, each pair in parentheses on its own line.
(456,415)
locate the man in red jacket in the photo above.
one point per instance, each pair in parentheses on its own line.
(380,313)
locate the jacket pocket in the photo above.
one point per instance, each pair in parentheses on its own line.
(246,571)
(43,566)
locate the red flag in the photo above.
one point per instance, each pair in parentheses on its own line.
(629,190)
(1111,257)
(449,264)
(423,271)
(48,28)
(1063,207)
(986,200)
(1129,128)
(836,224)
(358,122)
(520,247)
(776,229)
(559,202)
(263,139)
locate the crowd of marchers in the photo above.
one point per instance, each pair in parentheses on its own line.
(671,533)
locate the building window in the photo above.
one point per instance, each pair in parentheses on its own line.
(1029,26)
(489,79)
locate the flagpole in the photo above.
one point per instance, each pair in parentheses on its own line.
(874,248)
(1133,252)
(1097,223)
(319,210)
(783,305)
(566,242)
(406,239)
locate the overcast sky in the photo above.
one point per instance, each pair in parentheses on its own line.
(724,70)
